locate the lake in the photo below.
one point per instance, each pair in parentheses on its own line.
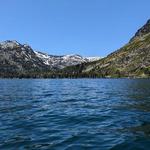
(75,114)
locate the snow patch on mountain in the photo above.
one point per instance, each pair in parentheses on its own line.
(9,44)
(90,59)
(25,53)
(65,60)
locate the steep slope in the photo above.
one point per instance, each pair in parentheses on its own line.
(132,60)
(142,31)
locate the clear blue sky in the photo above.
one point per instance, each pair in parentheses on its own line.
(86,27)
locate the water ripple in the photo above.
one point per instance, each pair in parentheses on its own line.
(75,114)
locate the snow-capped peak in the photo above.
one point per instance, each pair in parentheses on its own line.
(63,61)
(9,44)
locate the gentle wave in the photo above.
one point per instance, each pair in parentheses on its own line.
(75,114)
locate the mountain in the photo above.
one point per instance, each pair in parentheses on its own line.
(132,60)
(18,59)
(21,60)
(142,31)
(60,62)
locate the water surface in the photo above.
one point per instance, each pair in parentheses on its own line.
(97,114)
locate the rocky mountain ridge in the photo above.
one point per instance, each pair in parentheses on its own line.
(61,62)
(132,60)
(142,31)
(16,58)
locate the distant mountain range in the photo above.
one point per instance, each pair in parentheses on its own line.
(60,62)
(132,60)
(21,60)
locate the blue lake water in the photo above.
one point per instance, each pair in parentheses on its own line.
(79,114)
